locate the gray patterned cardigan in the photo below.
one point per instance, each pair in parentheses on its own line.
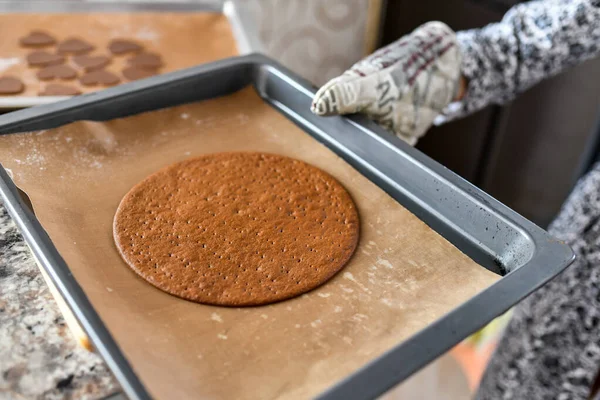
(551,348)
(534,41)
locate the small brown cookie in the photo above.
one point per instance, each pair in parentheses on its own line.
(99,77)
(11,85)
(91,63)
(146,60)
(63,72)
(56,89)
(74,46)
(237,229)
(37,39)
(123,46)
(135,73)
(42,58)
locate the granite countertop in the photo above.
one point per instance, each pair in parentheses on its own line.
(39,358)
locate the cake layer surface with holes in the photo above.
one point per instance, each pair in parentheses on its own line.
(237,229)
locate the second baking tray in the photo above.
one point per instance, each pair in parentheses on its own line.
(152,23)
(487,231)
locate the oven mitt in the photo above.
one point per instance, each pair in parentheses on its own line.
(402,86)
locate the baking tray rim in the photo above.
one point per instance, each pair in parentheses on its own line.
(382,373)
(241,26)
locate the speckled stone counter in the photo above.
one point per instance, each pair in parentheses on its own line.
(39,359)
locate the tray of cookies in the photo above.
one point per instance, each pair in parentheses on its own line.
(216,239)
(56,49)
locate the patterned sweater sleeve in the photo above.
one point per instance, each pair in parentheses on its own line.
(534,40)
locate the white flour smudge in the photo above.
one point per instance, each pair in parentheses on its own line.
(216,317)
(324,295)
(221,336)
(96,164)
(147,34)
(387,302)
(6,63)
(350,277)
(347,289)
(411,283)
(35,157)
(214,122)
(359,317)
(385,263)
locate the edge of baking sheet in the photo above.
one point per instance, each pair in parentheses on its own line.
(241,26)
(404,172)
(54,265)
(545,259)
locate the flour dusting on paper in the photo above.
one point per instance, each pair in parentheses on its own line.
(385,263)
(350,277)
(216,317)
(146,33)
(6,63)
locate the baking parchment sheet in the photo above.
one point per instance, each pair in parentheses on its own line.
(182,39)
(402,277)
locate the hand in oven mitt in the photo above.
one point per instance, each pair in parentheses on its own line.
(402,86)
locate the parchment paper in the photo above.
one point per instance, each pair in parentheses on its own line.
(402,277)
(183,39)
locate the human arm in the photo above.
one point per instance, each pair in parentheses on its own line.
(533,41)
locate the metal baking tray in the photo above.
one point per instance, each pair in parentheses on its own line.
(242,27)
(487,231)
